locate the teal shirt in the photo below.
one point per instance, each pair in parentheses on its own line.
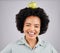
(21,46)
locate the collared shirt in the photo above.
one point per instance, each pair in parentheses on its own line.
(21,46)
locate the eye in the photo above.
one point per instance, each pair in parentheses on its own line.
(36,26)
(27,25)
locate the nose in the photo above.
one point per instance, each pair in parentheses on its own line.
(32,28)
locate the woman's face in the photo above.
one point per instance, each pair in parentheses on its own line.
(32,27)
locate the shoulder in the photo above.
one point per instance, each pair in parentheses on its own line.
(47,45)
(8,48)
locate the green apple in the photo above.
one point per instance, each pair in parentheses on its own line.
(32,5)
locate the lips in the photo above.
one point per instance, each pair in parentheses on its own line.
(31,34)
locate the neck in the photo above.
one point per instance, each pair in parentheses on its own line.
(31,42)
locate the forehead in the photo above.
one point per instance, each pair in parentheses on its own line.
(33,19)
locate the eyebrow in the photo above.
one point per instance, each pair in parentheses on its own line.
(34,24)
(27,23)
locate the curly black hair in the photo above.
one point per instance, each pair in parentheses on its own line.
(25,12)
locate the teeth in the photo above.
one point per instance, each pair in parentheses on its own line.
(31,33)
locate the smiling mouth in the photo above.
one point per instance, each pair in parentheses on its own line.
(31,34)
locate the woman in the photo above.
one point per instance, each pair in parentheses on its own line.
(32,21)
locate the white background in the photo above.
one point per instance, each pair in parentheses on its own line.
(8,30)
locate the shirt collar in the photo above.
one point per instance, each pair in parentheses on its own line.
(23,41)
(41,42)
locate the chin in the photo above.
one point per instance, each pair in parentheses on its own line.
(31,37)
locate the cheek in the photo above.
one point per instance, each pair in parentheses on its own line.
(25,29)
(38,30)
